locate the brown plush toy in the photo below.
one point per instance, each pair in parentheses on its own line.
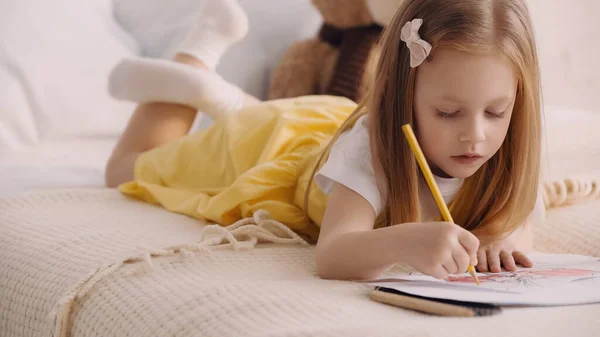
(334,62)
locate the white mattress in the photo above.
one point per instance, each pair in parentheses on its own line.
(55,165)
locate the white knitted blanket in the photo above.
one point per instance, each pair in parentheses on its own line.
(93,263)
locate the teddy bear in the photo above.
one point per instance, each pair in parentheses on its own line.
(336,61)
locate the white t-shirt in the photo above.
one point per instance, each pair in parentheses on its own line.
(349,164)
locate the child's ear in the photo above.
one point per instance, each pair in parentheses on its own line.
(383,11)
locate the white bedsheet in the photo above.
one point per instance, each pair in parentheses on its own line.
(71,164)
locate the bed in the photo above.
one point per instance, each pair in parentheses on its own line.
(77,259)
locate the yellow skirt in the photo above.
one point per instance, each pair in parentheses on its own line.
(261,157)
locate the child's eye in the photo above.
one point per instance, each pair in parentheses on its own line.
(443,114)
(496,114)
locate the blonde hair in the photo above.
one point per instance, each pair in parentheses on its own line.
(502,193)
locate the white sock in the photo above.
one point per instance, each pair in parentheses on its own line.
(220,24)
(145,80)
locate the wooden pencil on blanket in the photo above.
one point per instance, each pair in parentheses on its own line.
(434,306)
(437,195)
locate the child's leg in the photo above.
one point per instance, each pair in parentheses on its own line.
(164,114)
(143,80)
(146,80)
(151,125)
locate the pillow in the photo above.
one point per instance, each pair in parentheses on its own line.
(17,123)
(55,57)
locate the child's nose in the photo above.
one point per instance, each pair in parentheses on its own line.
(473,131)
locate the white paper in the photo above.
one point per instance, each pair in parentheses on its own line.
(555,279)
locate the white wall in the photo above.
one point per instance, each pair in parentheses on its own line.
(568,34)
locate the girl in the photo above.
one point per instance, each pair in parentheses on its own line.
(464,73)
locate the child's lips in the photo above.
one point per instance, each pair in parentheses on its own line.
(468,158)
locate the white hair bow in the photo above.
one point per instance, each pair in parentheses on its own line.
(419,49)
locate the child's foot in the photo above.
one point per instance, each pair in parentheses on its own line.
(220,24)
(145,80)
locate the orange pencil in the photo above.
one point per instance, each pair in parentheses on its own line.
(437,195)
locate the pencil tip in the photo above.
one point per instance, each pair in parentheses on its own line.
(471,271)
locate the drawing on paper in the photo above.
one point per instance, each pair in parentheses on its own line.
(554,279)
(528,278)
(545,274)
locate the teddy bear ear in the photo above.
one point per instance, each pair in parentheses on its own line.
(383,11)
(344,14)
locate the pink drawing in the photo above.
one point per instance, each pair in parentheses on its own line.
(529,277)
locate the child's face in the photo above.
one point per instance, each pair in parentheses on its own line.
(463,107)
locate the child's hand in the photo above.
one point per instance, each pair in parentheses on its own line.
(439,248)
(501,254)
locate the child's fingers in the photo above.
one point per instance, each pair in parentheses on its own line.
(522,259)
(440,272)
(451,265)
(493,258)
(508,261)
(461,260)
(469,242)
(482,264)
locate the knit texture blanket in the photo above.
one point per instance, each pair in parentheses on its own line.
(94,263)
